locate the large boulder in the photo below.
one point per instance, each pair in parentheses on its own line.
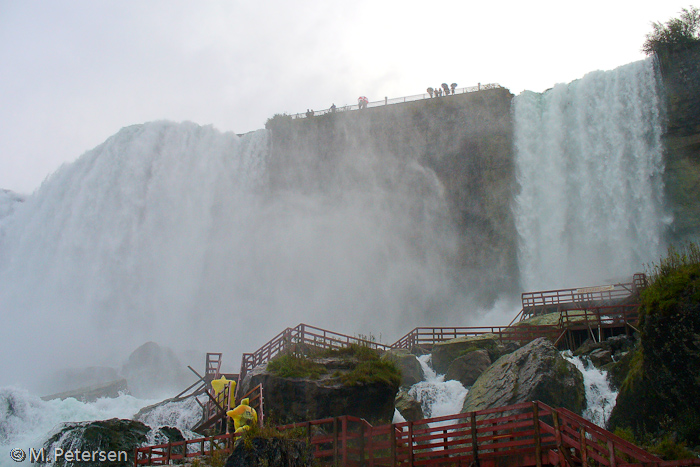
(256,452)
(467,368)
(154,372)
(408,364)
(300,389)
(116,436)
(444,353)
(408,407)
(534,372)
(610,350)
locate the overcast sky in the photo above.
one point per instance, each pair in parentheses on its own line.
(72,73)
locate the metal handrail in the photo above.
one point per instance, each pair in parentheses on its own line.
(293,338)
(397,100)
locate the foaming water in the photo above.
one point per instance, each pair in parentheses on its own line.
(26,421)
(600,397)
(589,164)
(437,396)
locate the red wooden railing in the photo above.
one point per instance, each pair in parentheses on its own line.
(529,434)
(426,336)
(296,340)
(534,303)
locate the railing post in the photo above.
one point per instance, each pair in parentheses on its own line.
(410,444)
(611,451)
(335,441)
(393,445)
(538,441)
(557,436)
(345,440)
(362,444)
(584,447)
(475,443)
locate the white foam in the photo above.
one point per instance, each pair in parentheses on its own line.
(589,161)
(600,396)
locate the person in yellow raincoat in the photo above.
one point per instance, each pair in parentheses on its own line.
(223,399)
(244,416)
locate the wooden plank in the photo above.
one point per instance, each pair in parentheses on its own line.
(475,443)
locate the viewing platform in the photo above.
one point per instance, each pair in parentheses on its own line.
(529,434)
(397,100)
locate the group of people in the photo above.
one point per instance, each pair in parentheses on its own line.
(443,90)
(310,113)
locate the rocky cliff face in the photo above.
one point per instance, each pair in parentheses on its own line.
(680,69)
(465,140)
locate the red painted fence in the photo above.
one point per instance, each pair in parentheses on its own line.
(520,435)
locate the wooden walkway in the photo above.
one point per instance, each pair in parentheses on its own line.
(530,434)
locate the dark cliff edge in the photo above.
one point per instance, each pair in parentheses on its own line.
(465,139)
(680,70)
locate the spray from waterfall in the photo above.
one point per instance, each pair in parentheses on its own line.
(589,165)
(174,233)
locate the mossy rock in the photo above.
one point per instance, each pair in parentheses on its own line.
(534,372)
(444,353)
(269,452)
(114,435)
(660,391)
(408,364)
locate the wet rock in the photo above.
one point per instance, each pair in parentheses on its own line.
(257,452)
(153,371)
(444,353)
(115,435)
(600,357)
(408,407)
(467,368)
(411,371)
(366,389)
(111,389)
(534,372)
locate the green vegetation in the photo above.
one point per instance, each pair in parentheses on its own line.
(666,447)
(278,121)
(271,432)
(680,31)
(660,392)
(369,368)
(293,366)
(373,371)
(362,353)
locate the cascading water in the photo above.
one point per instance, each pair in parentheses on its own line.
(437,396)
(27,421)
(600,396)
(174,233)
(589,165)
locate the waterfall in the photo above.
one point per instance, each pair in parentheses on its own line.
(600,396)
(437,396)
(175,233)
(589,165)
